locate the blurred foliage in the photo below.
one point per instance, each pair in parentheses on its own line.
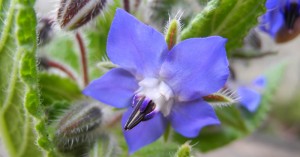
(288,114)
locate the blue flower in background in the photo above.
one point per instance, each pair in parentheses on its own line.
(250,97)
(281,19)
(159,86)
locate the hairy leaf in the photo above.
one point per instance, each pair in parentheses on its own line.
(57,94)
(18,79)
(231,19)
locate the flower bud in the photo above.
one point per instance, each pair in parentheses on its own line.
(78,128)
(184,150)
(72,14)
(172,31)
(44,30)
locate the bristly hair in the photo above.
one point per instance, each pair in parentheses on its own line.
(177,17)
(224,97)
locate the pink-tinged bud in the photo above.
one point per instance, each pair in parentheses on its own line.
(72,14)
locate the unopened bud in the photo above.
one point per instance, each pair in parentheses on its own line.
(172,31)
(79,128)
(184,150)
(73,14)
(44,30)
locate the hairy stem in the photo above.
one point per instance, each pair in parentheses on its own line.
(83,59)
(56,65)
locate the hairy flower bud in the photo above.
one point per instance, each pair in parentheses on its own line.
(172,31)
(184,150)
(73,14)
(44,30)
(78,128)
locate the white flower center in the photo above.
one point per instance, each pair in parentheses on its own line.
(159,92)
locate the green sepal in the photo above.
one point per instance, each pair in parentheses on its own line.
(172,32)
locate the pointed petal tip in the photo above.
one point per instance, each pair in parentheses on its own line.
(219,38)
(135,46)
(115,88)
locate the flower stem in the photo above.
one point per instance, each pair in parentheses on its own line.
(167,133)
(83,59)
(59,66)
(126,5)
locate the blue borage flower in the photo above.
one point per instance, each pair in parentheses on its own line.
(250,97)
(159,85)
(281,20)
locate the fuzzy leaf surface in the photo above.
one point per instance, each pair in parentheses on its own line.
(19,94)
(231,19)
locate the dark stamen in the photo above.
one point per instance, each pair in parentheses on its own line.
(291,13)
(142,108)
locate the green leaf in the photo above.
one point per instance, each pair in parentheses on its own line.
(231,19)
(57,94)
(157,149)
(18,79)
(236,122)
(56,88)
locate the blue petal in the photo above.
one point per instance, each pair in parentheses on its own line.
(188,118)
(135,46)
(249,98)
(196,67)
(272,4)
(272,20)
(145,132)
(115,88)
(260,82)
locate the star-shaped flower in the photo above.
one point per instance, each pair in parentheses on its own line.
(157,85)
(281,21)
